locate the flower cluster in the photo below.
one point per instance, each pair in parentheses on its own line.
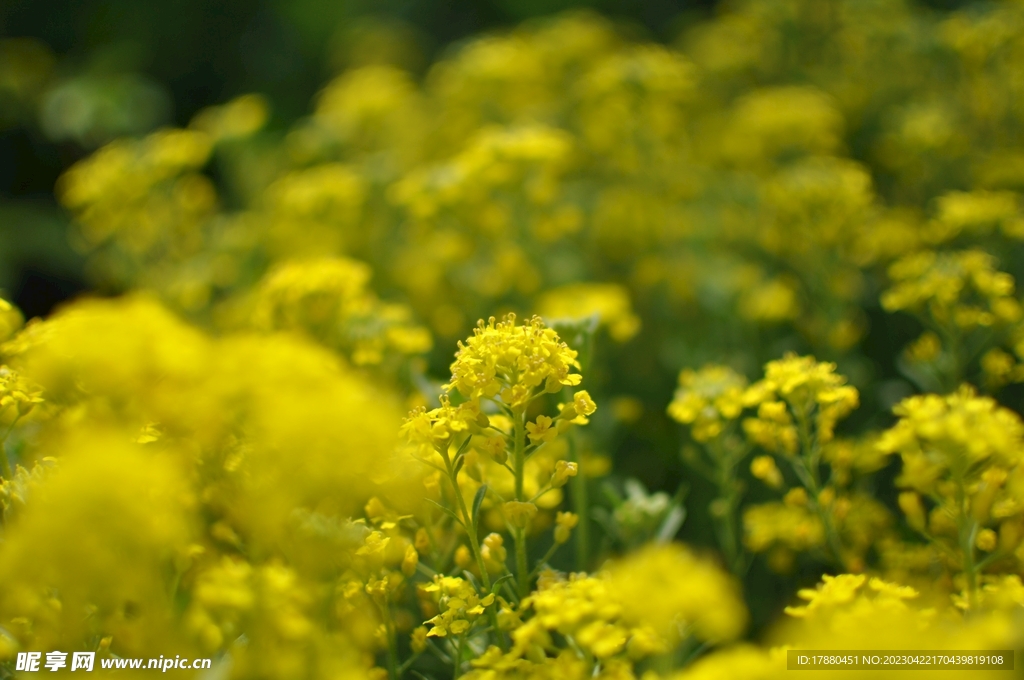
(459,603)
(707,399)
(962,473)
(962,289)
(795,393)
(803,218)
(514,363)
(328,300)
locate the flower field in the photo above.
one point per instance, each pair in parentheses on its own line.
(576,355)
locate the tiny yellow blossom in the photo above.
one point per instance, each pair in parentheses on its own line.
(410,560)
(494,553)
(563,471)
(515,361)
(541,430)
(459,603)
(764,468)
(707,399)
(519,514)
(583,404)
(418,639)
(11,320)
(609,302)
(797,390)
(565,522)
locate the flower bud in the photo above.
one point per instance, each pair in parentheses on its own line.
(10,320)
(563,471)
(409,561)
(422,541)
(541,430)
(1009,536)
(374,508)
(494,553)
(418,640)
(910,504)
(519,514)
(986,540)
(495,448)
(796,497)
(463,558)
(565,522)
(764,468)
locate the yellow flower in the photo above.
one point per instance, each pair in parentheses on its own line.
(410,560)
(586,607)
(328,300)
(459,603)
(788,524)
(496,448)
(797,390)
(437,426)
(737,661)
(583,404)
(764,468)
(520,514)
(541,430)
(517,362)
(707,399)
(494,553)
(563,471)
(565,522)
(664,586)
(977,213)
(986,540)
(463,558)
(418,639)
(18,392)
(240,117)
(770,122)
(11,320)
(936,432)
(844,589)
(608,301)
(910,504)
(961,290)
(101,475)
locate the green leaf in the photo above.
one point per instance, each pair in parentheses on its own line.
(497,583)
(446,511)
(463,446)
(478,499)
(671,523)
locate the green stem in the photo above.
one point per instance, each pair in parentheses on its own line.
(392,648)
(812,480)
(967,531)
(580,505)
(519,535)
(518,457)
(474,541)
(728,497)
(547,556)
(408,663)
(730,536)
(951,375)
(5,465)
(457,662)
(469,522)
(522,566)
(989,559)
